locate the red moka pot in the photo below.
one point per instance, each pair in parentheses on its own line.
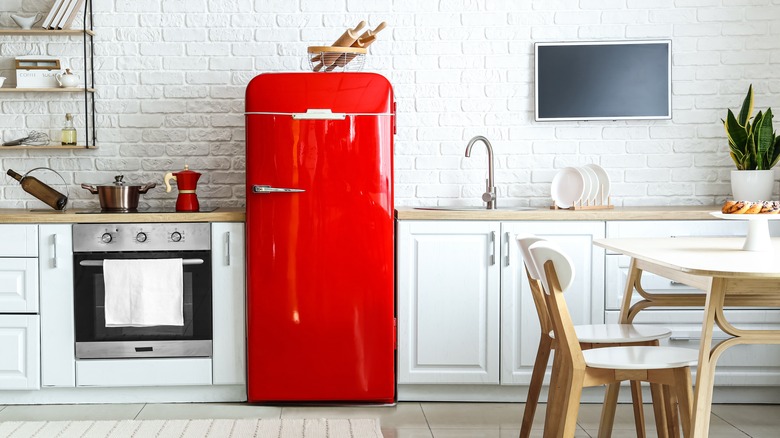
(186,181)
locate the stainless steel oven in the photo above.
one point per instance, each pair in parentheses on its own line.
(94,243)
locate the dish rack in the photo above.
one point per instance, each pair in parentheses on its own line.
(336,59)
(595,204)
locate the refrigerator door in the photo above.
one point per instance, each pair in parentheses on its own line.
(320,299)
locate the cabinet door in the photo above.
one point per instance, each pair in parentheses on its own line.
(20,358)
(227,264)
(19,240)
(585,298)
(18,285)
(448,302)
(56,275)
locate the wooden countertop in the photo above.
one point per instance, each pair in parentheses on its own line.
(42,216)
(681,212)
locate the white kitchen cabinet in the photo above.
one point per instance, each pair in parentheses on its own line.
(20,358)
(458,323)
(56,283)
(448,302)
(19,302)
(228,280)
(18,285)
(743,365)
(519,321)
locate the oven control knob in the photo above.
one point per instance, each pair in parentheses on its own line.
(106,238)
(140,237)
(176,236)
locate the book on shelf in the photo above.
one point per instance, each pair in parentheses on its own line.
(70,14)
(60,14)
(52,13)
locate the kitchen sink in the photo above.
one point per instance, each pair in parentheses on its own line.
(474,208)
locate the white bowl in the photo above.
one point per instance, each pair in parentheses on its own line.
(567,187)
(602,195)
(2,79)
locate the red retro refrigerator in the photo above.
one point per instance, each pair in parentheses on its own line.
(320,238)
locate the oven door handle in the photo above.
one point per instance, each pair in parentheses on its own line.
(100,262)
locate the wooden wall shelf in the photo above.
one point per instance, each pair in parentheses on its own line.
(46,90)
(46,32)
(53,146)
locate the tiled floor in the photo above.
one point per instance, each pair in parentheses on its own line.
(413,420)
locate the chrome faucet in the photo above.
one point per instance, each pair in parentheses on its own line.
(490,193)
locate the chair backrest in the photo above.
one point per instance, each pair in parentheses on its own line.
(524,241)
(557,272)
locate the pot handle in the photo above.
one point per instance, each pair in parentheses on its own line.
(167,179)
(144,188)
(91,189)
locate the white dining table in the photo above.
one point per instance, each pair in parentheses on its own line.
(726,274)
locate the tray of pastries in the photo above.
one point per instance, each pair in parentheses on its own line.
(750,207)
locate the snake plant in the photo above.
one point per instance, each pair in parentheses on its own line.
(753,146)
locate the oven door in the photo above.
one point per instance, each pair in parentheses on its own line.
(95,340)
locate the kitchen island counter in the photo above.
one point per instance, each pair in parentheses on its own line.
(42,216)
(679,212)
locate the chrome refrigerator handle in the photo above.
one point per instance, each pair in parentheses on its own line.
(269,189)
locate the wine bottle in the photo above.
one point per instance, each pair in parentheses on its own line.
(35,187)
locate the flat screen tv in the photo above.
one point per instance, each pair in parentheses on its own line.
(604,80)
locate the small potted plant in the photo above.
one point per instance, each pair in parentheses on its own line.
(755,149)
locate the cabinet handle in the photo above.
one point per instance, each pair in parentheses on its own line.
(493,246)
(54,251)
(227,248)
(508,246)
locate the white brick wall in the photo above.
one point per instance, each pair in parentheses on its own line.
(171,76)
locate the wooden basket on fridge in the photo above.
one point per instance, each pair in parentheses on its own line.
(330,58)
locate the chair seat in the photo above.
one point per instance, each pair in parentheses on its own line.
(640,357)
(618,333)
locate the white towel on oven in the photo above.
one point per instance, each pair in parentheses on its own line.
(143,292)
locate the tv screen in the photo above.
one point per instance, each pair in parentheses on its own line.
(607,80)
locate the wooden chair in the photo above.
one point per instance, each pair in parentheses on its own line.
(589,336)
(658,365)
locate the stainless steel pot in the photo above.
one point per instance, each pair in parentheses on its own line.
(119,196)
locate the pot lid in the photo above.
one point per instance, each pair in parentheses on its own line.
(119,182)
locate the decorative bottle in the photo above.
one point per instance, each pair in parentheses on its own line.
(68,131)
(35,187)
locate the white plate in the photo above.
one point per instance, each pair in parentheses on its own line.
(757,238)
(747,217)
(567,187)
(592,186)
(602,195)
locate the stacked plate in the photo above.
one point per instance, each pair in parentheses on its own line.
(583,185)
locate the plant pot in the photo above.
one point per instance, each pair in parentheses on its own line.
(752,185)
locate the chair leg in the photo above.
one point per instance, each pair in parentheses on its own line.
(672,409)
(556,397)
(639,413)
(568,419)
(608,410)
(684,390)
(537,380)
(661,409)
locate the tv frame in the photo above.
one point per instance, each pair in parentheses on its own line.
(666,42)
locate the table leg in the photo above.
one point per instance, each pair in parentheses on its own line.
(705,370)
(634,276)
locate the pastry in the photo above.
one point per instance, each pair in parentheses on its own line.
(736,207)
(754,208)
